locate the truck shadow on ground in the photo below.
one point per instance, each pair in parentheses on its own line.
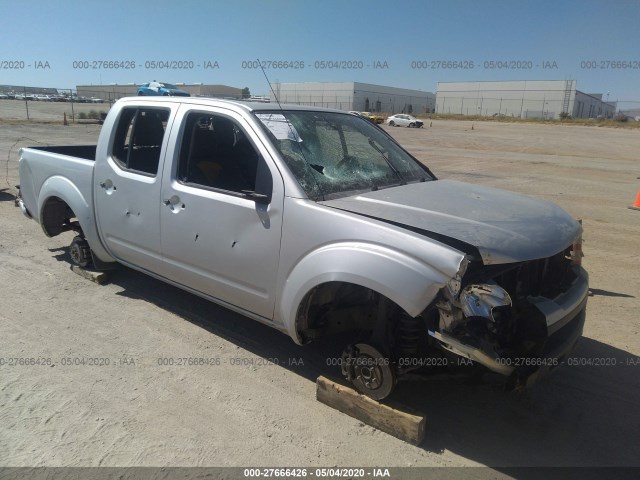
(587,413)
(606,293)
(6,195)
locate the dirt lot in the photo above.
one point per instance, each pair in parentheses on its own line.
(137,412)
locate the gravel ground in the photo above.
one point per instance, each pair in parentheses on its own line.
(258,406)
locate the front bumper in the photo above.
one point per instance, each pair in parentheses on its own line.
(558,347)
(565,317)
(23,208)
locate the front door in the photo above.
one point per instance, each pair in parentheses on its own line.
(222,210)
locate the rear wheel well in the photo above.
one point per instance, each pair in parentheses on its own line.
(57,217)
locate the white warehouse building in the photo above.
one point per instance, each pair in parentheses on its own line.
(521,98)
(357,96)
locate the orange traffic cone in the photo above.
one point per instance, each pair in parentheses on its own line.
(636,205)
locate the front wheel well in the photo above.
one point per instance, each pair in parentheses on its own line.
(58,217)
(336,307)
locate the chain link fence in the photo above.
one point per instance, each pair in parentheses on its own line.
(55,104)
(85,104)
(51,104)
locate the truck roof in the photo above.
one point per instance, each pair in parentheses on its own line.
(247,105)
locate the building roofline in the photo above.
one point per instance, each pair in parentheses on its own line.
(503,81)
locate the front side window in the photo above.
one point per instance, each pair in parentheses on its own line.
(334,155)
(216,153)
(138,138)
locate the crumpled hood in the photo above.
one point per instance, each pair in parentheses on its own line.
(505,227)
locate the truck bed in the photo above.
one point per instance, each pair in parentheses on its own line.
(86,152)
(56,171)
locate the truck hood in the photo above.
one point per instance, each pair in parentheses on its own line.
(505,227)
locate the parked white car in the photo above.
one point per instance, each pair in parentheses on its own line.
(402,120)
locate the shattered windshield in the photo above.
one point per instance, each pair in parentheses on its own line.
(334,155)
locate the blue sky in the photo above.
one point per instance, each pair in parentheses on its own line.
(398,33)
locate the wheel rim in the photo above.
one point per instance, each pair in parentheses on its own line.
(76,254)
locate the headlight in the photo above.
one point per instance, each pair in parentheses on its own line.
(480,300)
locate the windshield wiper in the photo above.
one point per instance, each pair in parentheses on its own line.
(386,159)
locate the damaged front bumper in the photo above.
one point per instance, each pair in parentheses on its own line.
(565,318)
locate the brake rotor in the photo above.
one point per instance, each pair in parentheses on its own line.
(371,372)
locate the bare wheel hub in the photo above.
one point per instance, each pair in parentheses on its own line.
(370,372)
(80,251)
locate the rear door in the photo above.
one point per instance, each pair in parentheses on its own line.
(127,186)
(222,213)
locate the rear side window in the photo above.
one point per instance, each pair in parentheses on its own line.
(138,138)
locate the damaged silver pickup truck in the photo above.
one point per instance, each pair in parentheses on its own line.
(316,222)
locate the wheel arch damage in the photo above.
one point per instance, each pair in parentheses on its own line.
(350,271)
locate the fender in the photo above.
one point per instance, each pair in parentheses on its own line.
(410,283)
(65,190)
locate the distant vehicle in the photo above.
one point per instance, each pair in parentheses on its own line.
(373,117)
(402,120)
(77,99)
(96,100)
(162,89)
(3,96)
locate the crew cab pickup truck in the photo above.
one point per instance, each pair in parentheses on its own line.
(316,222)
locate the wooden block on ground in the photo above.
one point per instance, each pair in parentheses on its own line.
(396,420)
(98,277)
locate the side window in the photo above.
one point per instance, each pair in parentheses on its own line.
(138,138)
(216,153)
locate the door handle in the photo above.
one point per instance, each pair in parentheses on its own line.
(108,186)
(174,203)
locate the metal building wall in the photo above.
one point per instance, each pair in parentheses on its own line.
(355,96)
(316,94)
(592,106)
(519,98)
(378,98)
(109,93)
